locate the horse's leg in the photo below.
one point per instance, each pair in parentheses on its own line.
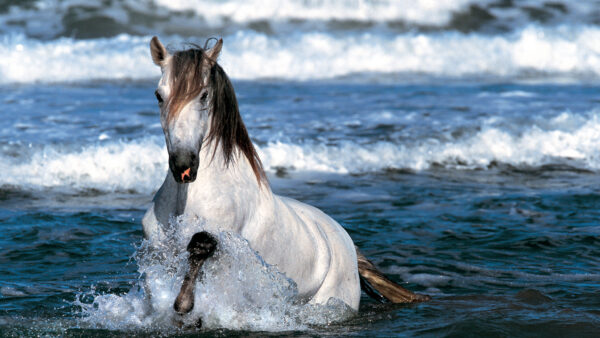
(201,246)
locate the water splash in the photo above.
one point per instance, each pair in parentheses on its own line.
(238,290)
(567,138)
(533,52)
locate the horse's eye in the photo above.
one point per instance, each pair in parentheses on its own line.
(158,97)
(204,96)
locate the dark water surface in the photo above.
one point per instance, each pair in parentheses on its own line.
(456,141)
(485,196)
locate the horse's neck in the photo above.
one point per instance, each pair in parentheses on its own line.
(225,194)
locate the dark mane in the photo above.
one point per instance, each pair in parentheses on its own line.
(227,127)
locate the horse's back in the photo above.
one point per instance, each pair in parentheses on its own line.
(341,280)
(311,215)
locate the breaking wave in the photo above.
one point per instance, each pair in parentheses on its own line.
(140,165)
(419,11)
(534,147)
(50,19)
(62,41)
(533,52)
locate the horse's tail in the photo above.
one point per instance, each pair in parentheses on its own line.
(378,286)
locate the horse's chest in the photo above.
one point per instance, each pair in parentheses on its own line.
(216,205)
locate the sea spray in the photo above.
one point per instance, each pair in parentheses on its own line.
(116,166)
(237,290)
(105,167)
(533,52)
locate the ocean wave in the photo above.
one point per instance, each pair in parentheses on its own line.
(93,19)
(50,19)
(534,52)
(530,53)
(140,166)
(419,11)
(26,60)
(534,147)
(120,166)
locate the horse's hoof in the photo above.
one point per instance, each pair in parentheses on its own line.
(202,245)
(183,304)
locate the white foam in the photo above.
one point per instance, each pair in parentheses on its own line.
(120,166)
(517,93)
(563,52)
(26,60)
(429,280)
(237,290)
(564,138)
(533,51)
(8,291)
(417,11)
(141,165)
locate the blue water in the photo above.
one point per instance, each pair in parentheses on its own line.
(503,248)
(457,143)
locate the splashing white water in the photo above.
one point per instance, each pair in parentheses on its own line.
(26,60)
(563,52)
(141,165)
(420,11)
(115,166)
(565,138)
(237,290)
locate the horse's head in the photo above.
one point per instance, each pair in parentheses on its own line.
(185,97)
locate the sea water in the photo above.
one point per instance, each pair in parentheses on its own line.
(456,141)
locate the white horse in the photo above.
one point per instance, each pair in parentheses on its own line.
(216,176)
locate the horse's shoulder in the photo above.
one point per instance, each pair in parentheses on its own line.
(313,217)
(301,208)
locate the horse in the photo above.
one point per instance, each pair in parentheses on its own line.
(215,174)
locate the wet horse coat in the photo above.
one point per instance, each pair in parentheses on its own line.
(217,178)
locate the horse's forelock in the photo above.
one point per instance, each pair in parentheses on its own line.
(185,78)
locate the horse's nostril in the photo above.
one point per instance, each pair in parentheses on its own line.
(185,174)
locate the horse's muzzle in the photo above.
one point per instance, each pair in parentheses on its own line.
(184,166)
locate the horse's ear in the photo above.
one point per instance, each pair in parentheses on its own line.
(214,52)
(158,51)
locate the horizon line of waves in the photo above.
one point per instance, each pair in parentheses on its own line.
(531,53)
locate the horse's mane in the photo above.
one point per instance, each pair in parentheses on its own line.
(227,128)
